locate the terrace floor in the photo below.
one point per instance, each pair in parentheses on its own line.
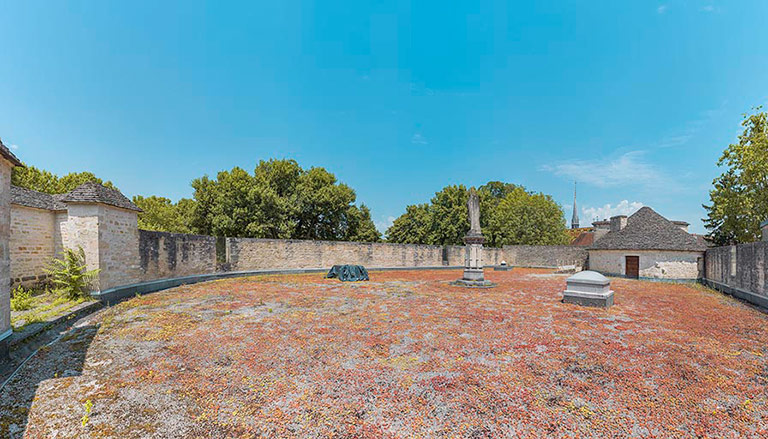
(405,355)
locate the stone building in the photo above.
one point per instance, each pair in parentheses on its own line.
(647,245)
(100,220)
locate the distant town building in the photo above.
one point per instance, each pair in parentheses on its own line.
(575,216)
(646,245)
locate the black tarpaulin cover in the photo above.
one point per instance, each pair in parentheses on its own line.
(348,273)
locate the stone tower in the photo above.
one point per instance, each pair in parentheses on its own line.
(575,217)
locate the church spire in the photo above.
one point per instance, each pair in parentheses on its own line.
(575,217)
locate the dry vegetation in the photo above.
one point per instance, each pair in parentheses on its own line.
(405,355)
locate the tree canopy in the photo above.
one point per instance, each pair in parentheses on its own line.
(278,200)
(739,199)
(509,214)
(40,180)
(161,214)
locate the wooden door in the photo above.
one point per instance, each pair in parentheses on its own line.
(632,267)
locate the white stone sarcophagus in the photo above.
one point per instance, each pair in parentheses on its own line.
(588,288)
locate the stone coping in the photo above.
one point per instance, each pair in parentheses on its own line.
(748,296)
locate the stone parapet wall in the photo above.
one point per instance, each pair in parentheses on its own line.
(32,244)
(5,261)
(742,267)
(254,254)
(118,247)
(545,255)
(165,255)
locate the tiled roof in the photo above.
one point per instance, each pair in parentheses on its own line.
(96,193)
(764,223)
(647,230)
(39,200)
(585,239)
(8,155)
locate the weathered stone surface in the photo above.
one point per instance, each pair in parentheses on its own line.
(165,255)
(658,264)
(5,263)
(32,243)
(588,288)
(549,256)
(750,264)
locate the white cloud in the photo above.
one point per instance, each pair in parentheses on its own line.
(627,170)
(383,225)
(708,8)
(13,146)
(625,207)
(418,139)
(662,9)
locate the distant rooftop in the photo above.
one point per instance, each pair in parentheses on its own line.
(8,155)
(647,230)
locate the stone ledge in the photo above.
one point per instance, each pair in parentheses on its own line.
(747,296)
(587,299)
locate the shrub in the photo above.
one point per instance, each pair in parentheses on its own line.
(21,299)
(69,274)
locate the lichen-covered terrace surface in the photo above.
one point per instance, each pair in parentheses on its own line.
(404,355)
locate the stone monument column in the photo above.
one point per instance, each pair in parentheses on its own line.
(473,259)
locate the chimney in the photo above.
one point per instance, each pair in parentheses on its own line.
(618,222)
(682,225)
(764,226)
(601,228)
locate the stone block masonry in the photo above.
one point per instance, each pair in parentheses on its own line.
(32,244)
(740,270)
(549,256)
(243,254)
(165,255)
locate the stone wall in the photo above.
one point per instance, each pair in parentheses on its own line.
(5,261)
(82,231)
(32,244)
(118,247)
(653,264)
(741,270)
(254,254)
(545,255)
(165,255)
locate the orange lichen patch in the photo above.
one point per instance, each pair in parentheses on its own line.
(408,355)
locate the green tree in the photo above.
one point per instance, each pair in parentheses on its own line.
(527,218)
(40,180)
(739,199)
(161,214)
(280,200)
(412,227)
(508,215)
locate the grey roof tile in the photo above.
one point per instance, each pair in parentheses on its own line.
(96,193)
(8,155)
(647,230)
(38,200)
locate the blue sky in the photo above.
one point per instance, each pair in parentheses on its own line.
(634,99)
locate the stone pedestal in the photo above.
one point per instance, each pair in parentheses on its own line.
(473,263)
(588,288)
